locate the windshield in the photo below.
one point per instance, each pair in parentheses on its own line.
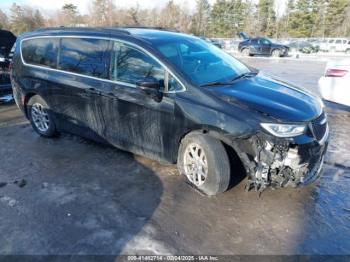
(202,62)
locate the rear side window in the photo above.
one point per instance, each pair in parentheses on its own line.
(130,65)
(85,56)
(40,51)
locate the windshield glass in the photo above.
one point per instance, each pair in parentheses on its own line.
(200,61)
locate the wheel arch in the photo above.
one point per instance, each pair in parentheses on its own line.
(26,99)
(276,48)
(236,156)
(245,47)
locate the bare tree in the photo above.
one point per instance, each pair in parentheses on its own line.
(4,21)
(102,13)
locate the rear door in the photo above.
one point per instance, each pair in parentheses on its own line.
(255,47)
(83,64)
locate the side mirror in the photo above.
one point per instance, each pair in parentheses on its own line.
(148,83)
(151,87)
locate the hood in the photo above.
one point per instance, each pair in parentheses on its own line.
(271,97)
(280,45)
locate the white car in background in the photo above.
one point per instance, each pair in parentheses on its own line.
(335,45)
(334,86)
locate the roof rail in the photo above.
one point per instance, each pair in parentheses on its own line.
(149,27)
(115,29)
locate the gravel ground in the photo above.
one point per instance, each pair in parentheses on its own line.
(72,196)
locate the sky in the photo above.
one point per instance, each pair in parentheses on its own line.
(84,5)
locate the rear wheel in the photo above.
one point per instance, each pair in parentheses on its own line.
(347,51)
(205,163)
(276,53)
(40,117)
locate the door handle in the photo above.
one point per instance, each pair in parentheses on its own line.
(92,90)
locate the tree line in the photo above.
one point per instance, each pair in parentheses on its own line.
(225,18)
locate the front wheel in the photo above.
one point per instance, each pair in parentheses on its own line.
(40,117)
(246,52)
(276,53)
(205,163)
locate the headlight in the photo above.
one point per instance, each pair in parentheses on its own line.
(284,130)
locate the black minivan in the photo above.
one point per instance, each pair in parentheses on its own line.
(172,97)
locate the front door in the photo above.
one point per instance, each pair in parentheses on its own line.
(130,118)
(265,46)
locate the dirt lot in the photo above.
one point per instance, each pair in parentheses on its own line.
(72,196)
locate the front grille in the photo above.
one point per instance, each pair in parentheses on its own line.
(319,126)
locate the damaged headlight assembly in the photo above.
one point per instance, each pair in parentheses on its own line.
(284,130)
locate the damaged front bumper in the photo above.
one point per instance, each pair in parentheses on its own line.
(279,162)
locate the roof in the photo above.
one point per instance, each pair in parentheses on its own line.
(145,33)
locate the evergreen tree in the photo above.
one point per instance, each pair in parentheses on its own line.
(200,18)
(266,17)
(39,20)
(335,17)
(70,15)
(227,18)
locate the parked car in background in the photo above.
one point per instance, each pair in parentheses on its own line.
(7,40)
(217,43)
(315,42)
(335,45)
(173,97)
(302,46)
(334,86)
(213,41)
(262,46)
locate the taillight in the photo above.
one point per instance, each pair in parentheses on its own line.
(336,72)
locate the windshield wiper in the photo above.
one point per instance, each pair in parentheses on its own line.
(244,75)
(218,83)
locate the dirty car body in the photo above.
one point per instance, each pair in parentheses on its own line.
(278,131)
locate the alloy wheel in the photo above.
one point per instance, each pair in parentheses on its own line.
(276,53)
(40,117)
(195,164)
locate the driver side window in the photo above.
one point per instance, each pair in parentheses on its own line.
(130,65)
(265,41)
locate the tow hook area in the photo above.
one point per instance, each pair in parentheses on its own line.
(277,164)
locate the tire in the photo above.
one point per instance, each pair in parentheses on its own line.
(40,117)
(217,169)
(347,51)
(276,53)
(245,52)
